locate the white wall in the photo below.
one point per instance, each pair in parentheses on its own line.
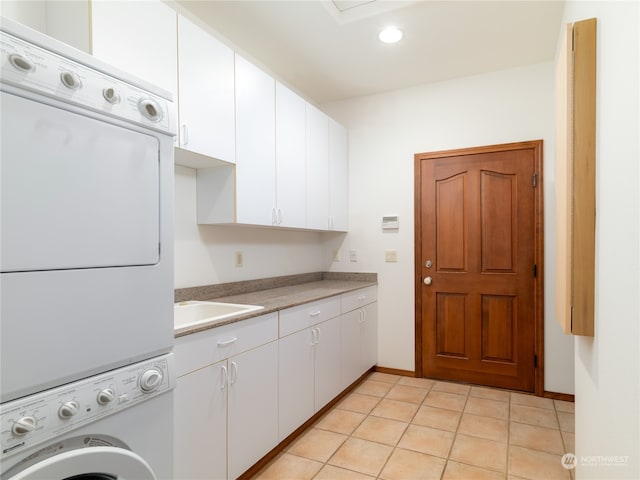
(205,254)
(385,131)
(607,375)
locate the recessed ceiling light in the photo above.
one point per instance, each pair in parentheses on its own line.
(390,35)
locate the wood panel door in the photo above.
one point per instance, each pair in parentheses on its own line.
(478,265)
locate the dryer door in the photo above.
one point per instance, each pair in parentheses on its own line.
(96,463)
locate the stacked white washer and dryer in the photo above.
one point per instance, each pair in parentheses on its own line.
(86,326)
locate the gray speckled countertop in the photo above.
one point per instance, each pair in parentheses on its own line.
(278,298)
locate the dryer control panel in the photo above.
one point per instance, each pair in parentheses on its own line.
(33,68)
(34,419)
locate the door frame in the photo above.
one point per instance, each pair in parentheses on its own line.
(538,315)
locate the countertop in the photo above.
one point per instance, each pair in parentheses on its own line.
(280,298)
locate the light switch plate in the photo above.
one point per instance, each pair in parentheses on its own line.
(391,256)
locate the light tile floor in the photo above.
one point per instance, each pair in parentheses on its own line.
(400,428)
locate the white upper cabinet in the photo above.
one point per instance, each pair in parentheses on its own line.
(317,183)
(137,37)
(255,145)
(206,97)
(290,158)
(338,177)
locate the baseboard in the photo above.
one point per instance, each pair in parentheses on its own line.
(567,397)
(395,371)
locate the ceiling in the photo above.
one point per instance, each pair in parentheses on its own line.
(328,49)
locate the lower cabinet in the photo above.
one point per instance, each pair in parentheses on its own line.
(226,413)
(241,389)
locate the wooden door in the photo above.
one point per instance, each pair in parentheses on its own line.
(479,248)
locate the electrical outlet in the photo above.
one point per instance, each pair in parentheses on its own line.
(239,259)
(353,255)
(391,256)
(336,255)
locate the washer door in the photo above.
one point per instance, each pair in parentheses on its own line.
(98,463)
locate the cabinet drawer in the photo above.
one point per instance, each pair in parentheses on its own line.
(359,298)
(204,348)
(297,318)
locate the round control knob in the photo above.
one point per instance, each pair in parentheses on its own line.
(111,95)
(23,426)
(106,396)
(150,109)
(70,80)
(21,63)
(150,380)
(68,409)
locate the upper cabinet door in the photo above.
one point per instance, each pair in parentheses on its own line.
(206,89)
(290,158)
(137,37)
(255,145)
(338,177)
(317,169)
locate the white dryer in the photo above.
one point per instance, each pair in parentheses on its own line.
(117,425)
(86,215)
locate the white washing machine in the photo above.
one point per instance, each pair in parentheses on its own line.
(117,425)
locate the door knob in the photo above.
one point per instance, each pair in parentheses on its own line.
(427,280)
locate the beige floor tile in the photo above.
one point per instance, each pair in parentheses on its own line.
(569,440)
(480,452)
(484,427)
(458,388)
(437,418)
(381,430)
(290,467)
(533,416)
(427,440)
(446,400)
(567,421)
(490,393)
(460,471)
(531,401)
(404,393)
(329,472)
(534,465)
(395,410)
(487,408)
(317,444)
(562,406)
(362,456)
(416,382)
(408,465)
(356,402)
(537,438)
(374,388)
(383,377)
(340,421)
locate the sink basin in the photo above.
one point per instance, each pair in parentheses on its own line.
(190,313)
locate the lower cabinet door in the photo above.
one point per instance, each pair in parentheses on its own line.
(350,347)
(369,336)
(328,382)
(295,378)
(252,407)
(200,424)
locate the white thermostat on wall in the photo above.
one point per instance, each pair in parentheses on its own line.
(390,222)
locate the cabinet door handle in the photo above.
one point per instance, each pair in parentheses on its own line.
(317,335)
(274,217)
(313,336)
(224,378)
(279,216)
(362,297)
(361,312)
(234,373)
(224,343)
(185,134)
(315,314)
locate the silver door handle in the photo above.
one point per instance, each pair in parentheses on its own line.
(427,280)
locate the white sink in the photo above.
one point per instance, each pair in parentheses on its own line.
(191,313)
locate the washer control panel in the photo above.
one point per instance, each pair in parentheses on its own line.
(33,68)
(34,419)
